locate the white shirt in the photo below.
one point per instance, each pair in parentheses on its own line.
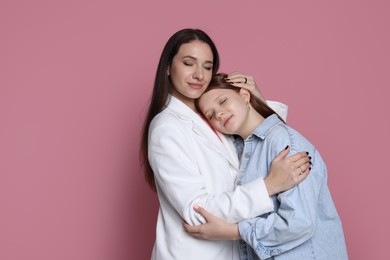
(193,165)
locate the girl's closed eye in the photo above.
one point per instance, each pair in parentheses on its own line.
(222,101)
(211,116)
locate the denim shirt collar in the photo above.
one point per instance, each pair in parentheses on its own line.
(264,127)
(261,132)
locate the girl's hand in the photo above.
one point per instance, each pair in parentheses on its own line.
(241,80)
(286,172)
(214,229)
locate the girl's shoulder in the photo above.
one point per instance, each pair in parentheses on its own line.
(280,130)
(284,133)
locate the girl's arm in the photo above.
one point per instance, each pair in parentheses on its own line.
(295,220)
(290,226)
(180,182)
(214,229)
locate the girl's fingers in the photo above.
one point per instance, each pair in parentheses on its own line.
(190,229)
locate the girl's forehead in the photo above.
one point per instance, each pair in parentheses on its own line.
(214,95)
(221,91)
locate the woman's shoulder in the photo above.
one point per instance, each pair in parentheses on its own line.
(168,123)
(166,118)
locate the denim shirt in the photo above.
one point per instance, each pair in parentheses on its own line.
(304,223)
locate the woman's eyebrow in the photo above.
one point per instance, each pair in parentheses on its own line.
(189,57)
(194,58)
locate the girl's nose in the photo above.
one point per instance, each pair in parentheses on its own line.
(220,115)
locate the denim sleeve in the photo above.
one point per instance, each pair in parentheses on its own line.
(294,222)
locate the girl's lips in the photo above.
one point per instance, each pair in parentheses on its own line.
(227,120)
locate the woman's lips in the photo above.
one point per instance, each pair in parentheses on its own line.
(195,85)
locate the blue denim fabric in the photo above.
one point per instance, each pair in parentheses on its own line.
(304,223)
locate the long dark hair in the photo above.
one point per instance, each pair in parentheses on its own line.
(219,82)
(163,86)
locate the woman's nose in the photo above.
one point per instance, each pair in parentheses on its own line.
(198,74)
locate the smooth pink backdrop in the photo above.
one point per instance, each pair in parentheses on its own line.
(75,79)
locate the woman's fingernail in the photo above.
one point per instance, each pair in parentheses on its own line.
(286,147)
(196,206)
(307,153)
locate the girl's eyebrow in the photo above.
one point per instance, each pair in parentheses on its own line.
(208,110)
(218,97)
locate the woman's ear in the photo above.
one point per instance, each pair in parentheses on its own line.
(245,94)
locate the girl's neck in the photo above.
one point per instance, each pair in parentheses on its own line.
(253,120)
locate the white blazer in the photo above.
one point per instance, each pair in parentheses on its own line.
(193,165)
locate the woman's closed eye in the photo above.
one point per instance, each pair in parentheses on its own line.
(208,67)
(190,63)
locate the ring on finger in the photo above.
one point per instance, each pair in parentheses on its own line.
(301,171)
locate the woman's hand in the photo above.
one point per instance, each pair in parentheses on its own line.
(286,172)
(241,80)
(214,229)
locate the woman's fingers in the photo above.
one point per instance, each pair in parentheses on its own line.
(240,78)
(282,154)
(299,158)
(303,166)
(304,162)
(301,176)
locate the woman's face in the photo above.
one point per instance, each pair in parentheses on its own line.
(191,71)
(226,110)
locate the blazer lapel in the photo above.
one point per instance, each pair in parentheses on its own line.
(215,141)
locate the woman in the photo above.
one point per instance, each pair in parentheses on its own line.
(190,164)
(305,223)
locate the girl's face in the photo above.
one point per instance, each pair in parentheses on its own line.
(191,71)
(226,110)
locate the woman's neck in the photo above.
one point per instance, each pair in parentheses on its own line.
(190,102)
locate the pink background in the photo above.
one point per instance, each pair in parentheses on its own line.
(75,78)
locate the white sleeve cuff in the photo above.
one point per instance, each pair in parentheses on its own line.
(279,108)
